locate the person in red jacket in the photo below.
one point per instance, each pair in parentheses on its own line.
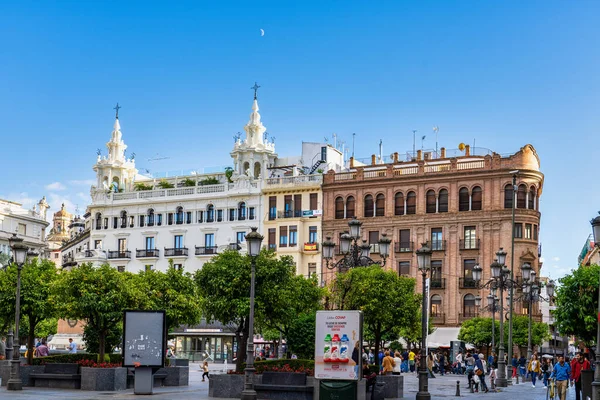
(579,363)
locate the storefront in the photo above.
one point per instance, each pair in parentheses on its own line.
(205,342)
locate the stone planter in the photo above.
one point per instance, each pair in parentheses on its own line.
(176,376)
(103,379)
(25,370)
(226,386)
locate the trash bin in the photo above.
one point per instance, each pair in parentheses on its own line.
(587,377)
(378,391)
(336,390)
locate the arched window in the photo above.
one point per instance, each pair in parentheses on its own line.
(380,205)
(508,196)
(469,306)
(399,204)
(463,199)
(350,206)
(123,219)
(431,206)
(98,220)
(443,201)
(522,196)
(476,198)
(531,199)
(179,215)
(242,211)
(246,170)
(256,170)
(436,305)
(368,209)
(411,203)
(210,213)
(151,217)
(339,208)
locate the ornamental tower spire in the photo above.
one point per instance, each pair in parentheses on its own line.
(254,128)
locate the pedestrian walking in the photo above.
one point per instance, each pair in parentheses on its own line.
(430,364)
(387,364)
(561,372)
(205,371)
(459,361)
(533,369)
(72,346)
(579,363)
(397,363)
(442,363)
(546,371)
(514,363)
(470,363)
(522,364)
(411,361)
(480,368)
(42,350)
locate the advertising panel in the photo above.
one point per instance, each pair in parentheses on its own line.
(144,338)
(337,334)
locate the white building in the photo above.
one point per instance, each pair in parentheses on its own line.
(29,225)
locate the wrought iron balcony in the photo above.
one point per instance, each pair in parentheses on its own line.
(311,246)
(438,245)
(89,253)
(437,283)
(467,315)
(147,253)
(290,214)
(206,250)
(438,318)
(176,252)
(467,283)
(469,244)
(403,247)
(119,254)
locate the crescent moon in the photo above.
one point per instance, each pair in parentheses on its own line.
(262,32)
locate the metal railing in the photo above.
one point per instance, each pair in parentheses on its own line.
(438,245)
(403,247)
(202,250)
(119,254)
(438,318)
(437,283)
(176,252)
(469,244)
(147,253)
(467,283)
(468,315)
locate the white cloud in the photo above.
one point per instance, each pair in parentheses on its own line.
(22,198)
(84,182)
(55,186)
(56,201)
(556,259)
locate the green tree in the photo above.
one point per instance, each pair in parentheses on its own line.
(301,336)
(229,174)
(164,184)
(539,331)
(224,288)
(37,277)
(387,300)
(175,292)
(112,339)
(211,180)
(576,310)
(478,331)
(411,332)
(99,296)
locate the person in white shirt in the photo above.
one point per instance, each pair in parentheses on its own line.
(72,346)
(459,360)
(397,363)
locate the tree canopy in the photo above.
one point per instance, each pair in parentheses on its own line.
(478,331)
(576,310)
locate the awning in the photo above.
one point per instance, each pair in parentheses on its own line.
(442,337)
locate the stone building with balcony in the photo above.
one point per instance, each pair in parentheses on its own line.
(460,205)
(30,225)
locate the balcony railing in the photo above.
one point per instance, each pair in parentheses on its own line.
(469,244)
(438,318)
(272,246)
(437,283)
(147,253)
(438,245)
(206,250)
(176,252)
(468,315)
(467,283)
(89,253)
(289,214)
(403,247)
(119,254)
(311,246)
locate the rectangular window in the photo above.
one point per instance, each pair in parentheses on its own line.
(470,238)
(528,229)
(56,255)
(200,216)
(219,215)
(283,238)
(209,240)
(312,269)
(437,242)
(122,245)
(106,223)
(404,267)
(324,153)
(240,237)
(141,221)
(535,232)
(297,205)
(468,266)
(288,205)
(159,219)
(374,241)
(518,231)
(115,222)
(121,268)
(251,214)
(131,221)
(436,274)
(313,201)
(404,246)
(312,234)
(178,241)
(97,244)
(147,268)
(272,243)
(232,214)
(178,267)
(150,243)
(293,235)
(272,207)
(188,217)
(170,218)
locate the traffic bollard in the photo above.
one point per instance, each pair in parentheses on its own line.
(457,389)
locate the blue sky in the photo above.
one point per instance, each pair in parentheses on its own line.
(503,73)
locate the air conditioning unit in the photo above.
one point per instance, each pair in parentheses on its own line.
(428,155)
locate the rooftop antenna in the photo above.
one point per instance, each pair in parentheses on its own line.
(334,136)
(422,140)
(414,143)
(436,129)
(380,151)
(353,136)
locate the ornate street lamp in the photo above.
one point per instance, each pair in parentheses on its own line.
(254,240)
(596,384)
(424,263)
(19,250)
(355,254)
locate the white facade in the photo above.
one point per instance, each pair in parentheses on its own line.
(29,225)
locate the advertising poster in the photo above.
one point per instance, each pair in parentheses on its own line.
(144,338)
(337,333)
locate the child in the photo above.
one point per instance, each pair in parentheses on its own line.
(205,370)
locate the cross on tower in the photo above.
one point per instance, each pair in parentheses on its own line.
(255,87)
(117,108)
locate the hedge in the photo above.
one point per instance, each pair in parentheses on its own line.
(73,358)
(284,365)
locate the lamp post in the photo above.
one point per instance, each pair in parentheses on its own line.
(500,280)
(596,384)
(254,240)
(355,254)
(19,250)
(424,263)
(512,268)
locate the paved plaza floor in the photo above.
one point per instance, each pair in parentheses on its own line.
(440,388)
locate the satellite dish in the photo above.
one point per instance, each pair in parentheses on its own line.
(461,147)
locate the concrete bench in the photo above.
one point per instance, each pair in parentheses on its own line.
(63,376)
(284,386)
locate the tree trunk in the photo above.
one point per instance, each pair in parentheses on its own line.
(377,334)
(101,341)
(242,339)
(30,339)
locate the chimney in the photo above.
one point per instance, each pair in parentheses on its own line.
(467,150)
(419,154)
(351,162)
(395,157)
(443,152)
(373,159)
